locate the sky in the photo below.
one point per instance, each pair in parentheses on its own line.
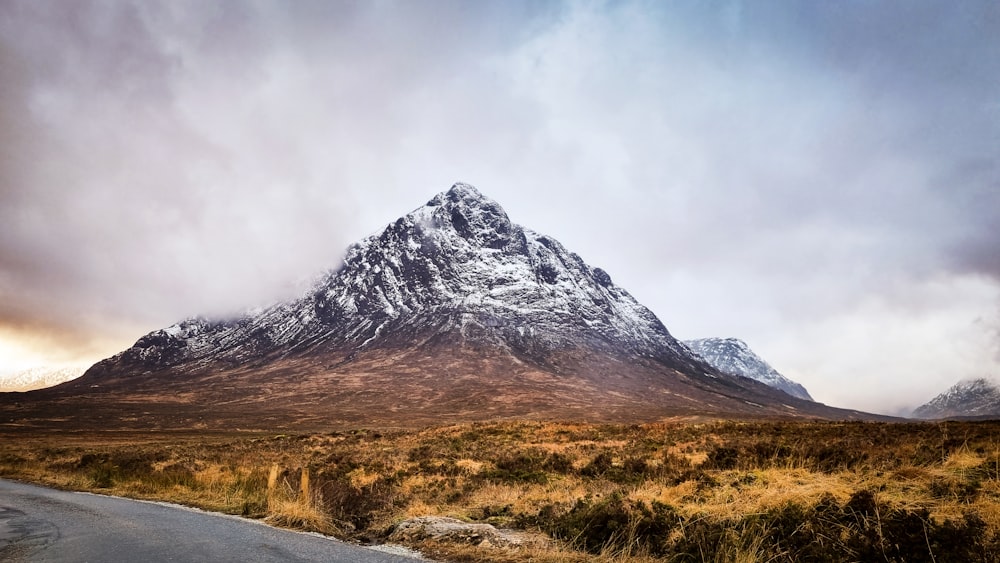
(820,179)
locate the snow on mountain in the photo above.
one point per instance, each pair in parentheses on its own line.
(38,377)
(733,356)
(456,265)
(971,397)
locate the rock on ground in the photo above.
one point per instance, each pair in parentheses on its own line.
(444,529)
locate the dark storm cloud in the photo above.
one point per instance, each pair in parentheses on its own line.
(820,179)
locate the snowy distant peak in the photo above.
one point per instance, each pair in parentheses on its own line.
(970,397)
(733,356)
(38,377)
(973,385)
(731,347)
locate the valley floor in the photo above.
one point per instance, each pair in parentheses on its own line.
(680,491)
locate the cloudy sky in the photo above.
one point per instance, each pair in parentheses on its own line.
(821,179)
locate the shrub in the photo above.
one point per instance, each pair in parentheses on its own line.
(614,525)
(864,529)
(355,508)
(597,466)
(524,467)
(722,457)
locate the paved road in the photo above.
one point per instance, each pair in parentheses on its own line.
(39,524)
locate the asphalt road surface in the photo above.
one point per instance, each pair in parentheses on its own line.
(39,524)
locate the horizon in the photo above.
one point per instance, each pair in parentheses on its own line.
(819,181)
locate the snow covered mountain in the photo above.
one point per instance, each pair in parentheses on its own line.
(38,377)
(733,356)
(454,267)
(450,312)
(973,397)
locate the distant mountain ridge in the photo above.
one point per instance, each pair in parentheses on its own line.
(978,397)
(733,356)
(38,377)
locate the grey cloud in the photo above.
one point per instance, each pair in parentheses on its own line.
(172,159)
(972,189)
(745,169)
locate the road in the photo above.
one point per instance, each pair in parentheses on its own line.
(39,524)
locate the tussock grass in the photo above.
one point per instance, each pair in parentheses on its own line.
(725,491)
(299,515)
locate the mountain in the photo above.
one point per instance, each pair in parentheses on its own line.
(733,356)
(974,398)
(38,377)
(454,269)
(452,312)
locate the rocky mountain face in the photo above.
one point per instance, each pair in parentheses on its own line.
(971,398)
(38,377)
(733,356)
(452,312)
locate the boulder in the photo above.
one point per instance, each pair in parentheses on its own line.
(451,530)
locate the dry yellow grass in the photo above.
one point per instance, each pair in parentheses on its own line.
(667,487)
(300,515)
(361,477)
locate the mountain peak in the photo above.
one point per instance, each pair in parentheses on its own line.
(970,397)
(474,216)
(728,342)
(465,196)
(461,190)
(733,356)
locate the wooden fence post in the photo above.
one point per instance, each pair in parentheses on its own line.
(272,478)
(305,484)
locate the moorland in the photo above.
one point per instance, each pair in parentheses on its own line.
(683,490)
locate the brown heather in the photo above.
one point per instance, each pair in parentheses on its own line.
(682,491)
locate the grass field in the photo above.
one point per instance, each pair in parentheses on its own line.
(685,491)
